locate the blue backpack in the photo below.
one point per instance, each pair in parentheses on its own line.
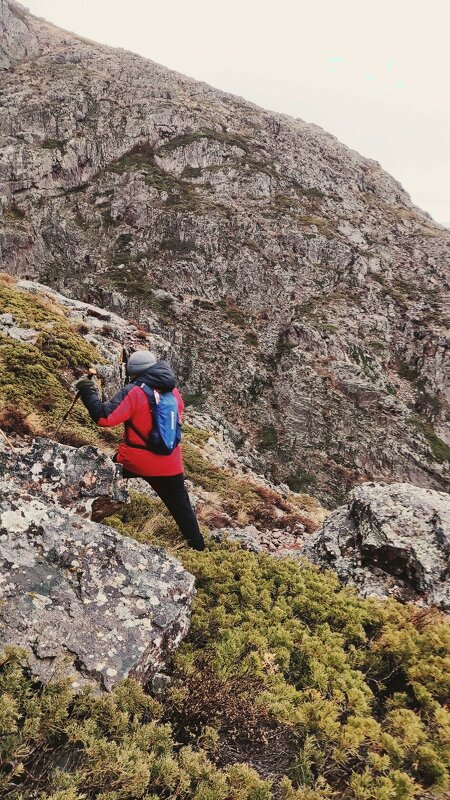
(165,434)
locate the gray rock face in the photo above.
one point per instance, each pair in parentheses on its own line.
(83,479)
(285,270)
(84,600)
(17,41)
(390,540)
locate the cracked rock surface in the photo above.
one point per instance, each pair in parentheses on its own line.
(390,540)
(83,479)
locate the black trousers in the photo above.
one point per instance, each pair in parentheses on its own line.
(172,491)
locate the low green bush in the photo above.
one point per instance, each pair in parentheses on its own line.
(57,746)
(363,686)
(322,693)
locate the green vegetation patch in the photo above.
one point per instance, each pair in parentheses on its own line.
(439,448)
(35,378)
(294,206)
(191,172)
(131,278)
(14,213)
(268,437)
(230,139)
(57,746)
(196,436)
(142,159)
(277,650)
(235,314)
(301,481)
(53,144)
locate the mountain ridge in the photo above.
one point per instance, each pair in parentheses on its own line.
(303,294)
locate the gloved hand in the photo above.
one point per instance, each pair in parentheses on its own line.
(84,383)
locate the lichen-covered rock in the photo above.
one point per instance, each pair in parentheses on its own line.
(84,600)
(277,542)
(390,540)
(83,478)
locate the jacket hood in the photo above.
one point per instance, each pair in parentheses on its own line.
(159,376)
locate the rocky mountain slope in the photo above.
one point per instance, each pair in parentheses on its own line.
(286,686)
(304,297)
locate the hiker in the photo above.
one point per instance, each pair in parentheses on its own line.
(152,384)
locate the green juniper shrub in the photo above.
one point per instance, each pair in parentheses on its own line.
(363,684)
(55,745)
(325,693)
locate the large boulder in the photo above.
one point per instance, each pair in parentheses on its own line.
(82,599)
(83,479)
(390,540)
(79,597)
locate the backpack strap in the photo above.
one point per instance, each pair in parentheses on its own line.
(129,425)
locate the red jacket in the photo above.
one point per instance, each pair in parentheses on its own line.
(131,404)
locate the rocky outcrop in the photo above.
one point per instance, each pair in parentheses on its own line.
(17,41)
(112,335)
(83,479)
(285,270)
(81,599)
(390,540)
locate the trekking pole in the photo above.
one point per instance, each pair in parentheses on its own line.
(6,439)
(91,373)
(123,364)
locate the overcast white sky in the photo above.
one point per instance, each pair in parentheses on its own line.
(376,74)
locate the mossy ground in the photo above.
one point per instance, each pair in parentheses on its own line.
(35,378)
(245,501)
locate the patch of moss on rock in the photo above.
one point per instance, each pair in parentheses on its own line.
(195,435)
(439,448)
(35,378)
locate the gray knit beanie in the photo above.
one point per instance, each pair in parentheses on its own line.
(139,361)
